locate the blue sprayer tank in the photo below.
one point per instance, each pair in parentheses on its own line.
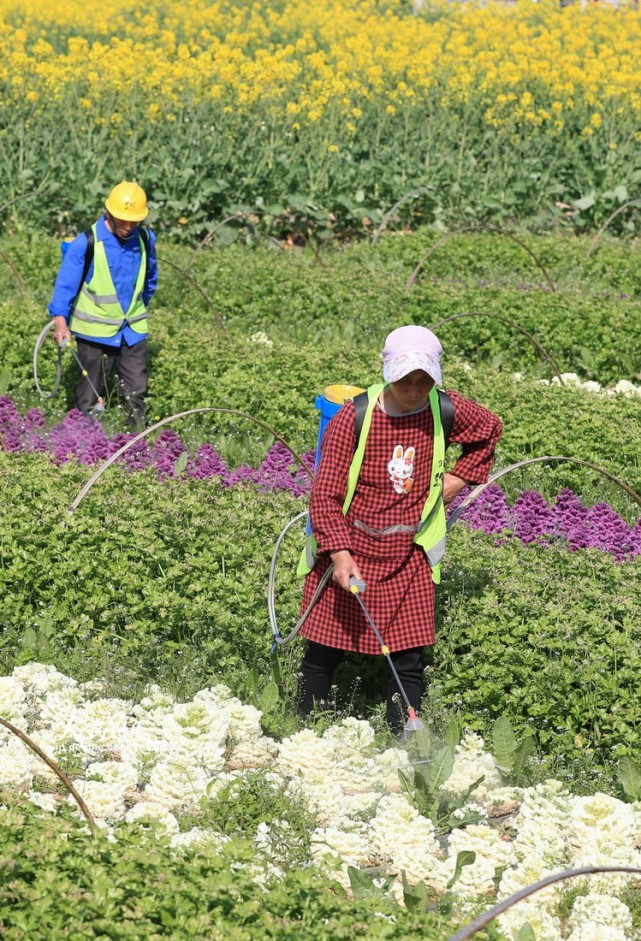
(332,399)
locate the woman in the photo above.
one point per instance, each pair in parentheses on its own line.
(377,512)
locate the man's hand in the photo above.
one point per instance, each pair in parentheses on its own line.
(452,486)
(344,568)
(61,331)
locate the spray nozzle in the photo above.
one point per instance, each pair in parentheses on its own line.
(413,723)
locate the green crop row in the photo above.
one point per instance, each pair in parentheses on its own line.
(57,883)
(547,637)
(348,299)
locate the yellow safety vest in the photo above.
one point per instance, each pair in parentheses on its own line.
(432,527)
(98,312)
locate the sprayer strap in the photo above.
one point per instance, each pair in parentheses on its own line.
(91,243)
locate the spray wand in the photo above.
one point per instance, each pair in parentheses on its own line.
(100,402)
(413,724)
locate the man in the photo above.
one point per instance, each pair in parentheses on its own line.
(106,280)
(377,513)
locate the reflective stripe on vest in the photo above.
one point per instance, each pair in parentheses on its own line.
(98,312)
(432,527)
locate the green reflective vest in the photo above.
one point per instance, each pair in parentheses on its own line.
(432,528)
(98,312)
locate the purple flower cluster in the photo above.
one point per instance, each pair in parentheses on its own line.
(83,439)
(565,521)
(531,519)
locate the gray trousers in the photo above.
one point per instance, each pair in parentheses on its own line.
(130,365)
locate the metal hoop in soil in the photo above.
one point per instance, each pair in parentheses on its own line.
(483,920)
(165,421)
(480,228)
(538,460)
(512,323)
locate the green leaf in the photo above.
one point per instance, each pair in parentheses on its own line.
(505,743)
(630,777)
(362,883)
(526,933)
(621,193)
(416,897)
(464,858)
(441,768)
(181,463)
(277,673)
(269,697)
(586,202)
(453,733)
(422,740)
(5,380)
(524,751)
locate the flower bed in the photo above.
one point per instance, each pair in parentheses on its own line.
(531,518)
(164,762)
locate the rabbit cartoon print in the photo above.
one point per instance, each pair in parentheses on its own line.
(401,469)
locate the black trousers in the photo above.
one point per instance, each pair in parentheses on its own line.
(130,364)
(320,663)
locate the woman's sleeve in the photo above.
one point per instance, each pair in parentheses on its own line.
(477,430)
(329,488)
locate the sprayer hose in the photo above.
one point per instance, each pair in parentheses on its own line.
(44,333)
(271,589)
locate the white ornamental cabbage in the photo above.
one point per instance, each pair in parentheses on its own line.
(472,762)
(384,769)
(197,732)
(40,678)
(492,853)
(407,840)
(544,825)
(210,841)
(252,753)
(352,846)
(100,726)
(324,798)
(176,784)
(48,802)
(595,931)
(604,833)
(57,706)
(105,800)
(114,772)
(151,811)
(605,910)
(546,927)
(15,765)
(307,756)
(12,699)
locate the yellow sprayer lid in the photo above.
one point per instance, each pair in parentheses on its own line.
(340,394)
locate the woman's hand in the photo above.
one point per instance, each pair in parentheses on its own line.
(344,568)
(452,486)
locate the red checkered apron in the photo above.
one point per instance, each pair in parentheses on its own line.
(381,523)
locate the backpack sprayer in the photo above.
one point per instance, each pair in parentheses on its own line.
(328,404)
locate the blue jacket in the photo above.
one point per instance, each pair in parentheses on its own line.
(124,261)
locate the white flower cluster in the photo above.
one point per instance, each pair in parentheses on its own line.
(148,762)
(556,832)
(140,761)
(261,338)
(622,387)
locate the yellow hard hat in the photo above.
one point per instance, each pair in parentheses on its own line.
(127,201)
